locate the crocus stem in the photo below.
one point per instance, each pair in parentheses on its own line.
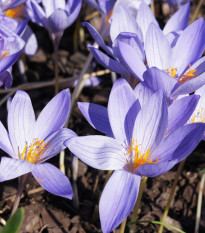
(137,204)
(21,184)
(122,227)
(171,195)
(199,204)
(55,38)
(56,69)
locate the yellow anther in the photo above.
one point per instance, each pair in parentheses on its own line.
(140,158)
(187,76)
(172,71)
(108,16)
(15,13)
(35,151)
(198,116)
(5,54)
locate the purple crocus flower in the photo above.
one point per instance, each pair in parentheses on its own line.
(105,7)
(182,64)
(140,147)
(124,28)
(31,142)
(10,49)
(10,4)
(97,115)
(56,15)
(13,17)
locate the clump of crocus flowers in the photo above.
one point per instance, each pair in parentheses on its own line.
(155,113)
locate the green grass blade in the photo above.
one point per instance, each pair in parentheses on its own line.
(14,223)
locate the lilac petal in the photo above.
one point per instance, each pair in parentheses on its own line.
(106,6)
(53,180)
(143,93)
(108,62)
(58,21)
(73,8)
(13,168)
(21,120)
(53,116)
(201,93)
(56,143)
(159,80)
(145,17)
(180,143)
(8,61)
(132,40)
(5,143)
(189,46)
(180,111)
(6,78)
(31,44)
(157,48)
(122,21)
(100,152)
(10,23)
(118,199)
(172,37)
(39,14)
(97,37)
(123,108)
(131,60)
(97,116)
(21,26)
(155,169)
(189,86)
(151,122)
(179,20)
(199,66)
(51,6)
(11,4)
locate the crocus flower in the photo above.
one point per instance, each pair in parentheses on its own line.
(31,142)
(10,49)
(124,28)
(140,147)
(56,15)
(181,64)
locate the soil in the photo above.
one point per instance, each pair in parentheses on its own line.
(47,213)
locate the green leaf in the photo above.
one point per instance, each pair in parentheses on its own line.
(160,223)
(14,223)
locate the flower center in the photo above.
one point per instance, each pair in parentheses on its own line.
(198,116)
(139,158)
(187,76)
(15,13)
(34,152)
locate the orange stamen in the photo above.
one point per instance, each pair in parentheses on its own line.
(35,151)
(16,12)
(5,54)
(140,158)
(108,16)
(171,71)
(187,76)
